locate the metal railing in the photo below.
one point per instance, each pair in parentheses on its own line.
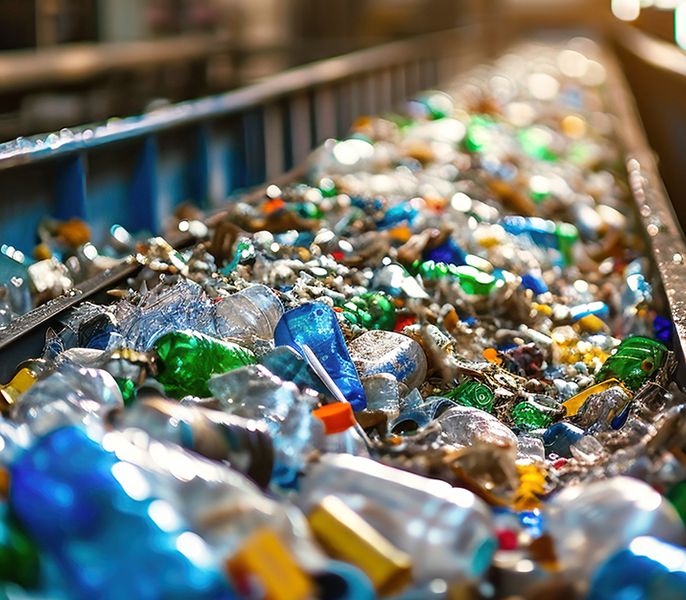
(134,171)
(656,71)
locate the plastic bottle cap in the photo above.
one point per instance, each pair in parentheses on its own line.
(346,536)
(337,417)
(265,558)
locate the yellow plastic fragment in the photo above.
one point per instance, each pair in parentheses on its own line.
(263,557)
(531,486)
(347,536)
(574,404)
(20,383)
(592,324)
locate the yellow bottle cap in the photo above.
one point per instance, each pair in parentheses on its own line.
(348,537)
(23,380)
(263,557)
(592,324)
(574,404)
(19,384)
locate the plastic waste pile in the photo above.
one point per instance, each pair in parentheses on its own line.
(438,366)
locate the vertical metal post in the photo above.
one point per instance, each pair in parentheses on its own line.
(344,107)
(201,165)
(399,84)
(70,192)
(253,143)
(357,97)
(217,171)
(299,109)
(325,113)
(45,14)
(145,188)
(234,157)
(412,78)
(385,89)
(273,141)
(370,98)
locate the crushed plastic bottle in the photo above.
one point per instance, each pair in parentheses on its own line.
(68,396)
(247,315)
(242,443)
(187,359)
(453,538)
(433,365)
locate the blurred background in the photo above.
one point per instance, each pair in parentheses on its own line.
(69,62)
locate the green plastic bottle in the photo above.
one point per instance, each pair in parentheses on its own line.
(635,362)
(374,310)
(471,280)
(530,415)
(187,360)
(19,557)
(478,135)
(535,141)
(677,496)
(473,393)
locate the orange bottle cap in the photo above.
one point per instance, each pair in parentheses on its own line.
(337,417)
(491,355)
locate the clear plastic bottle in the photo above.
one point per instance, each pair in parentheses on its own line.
(447,531)
(255,393)
(221,505)
(342,435)
(244,444)
(83,505)
(249,314)
(467,426)
(171,518)
(68,396)
(590,521)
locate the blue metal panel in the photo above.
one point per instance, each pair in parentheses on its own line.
(253,144)
(110,176)
(202,165)
(26,197)
(179,172)
(145,188)
(235,159)
(135,171)
(70,189)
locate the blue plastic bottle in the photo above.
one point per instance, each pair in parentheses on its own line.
(648,569)
(100,521)
(315,325)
